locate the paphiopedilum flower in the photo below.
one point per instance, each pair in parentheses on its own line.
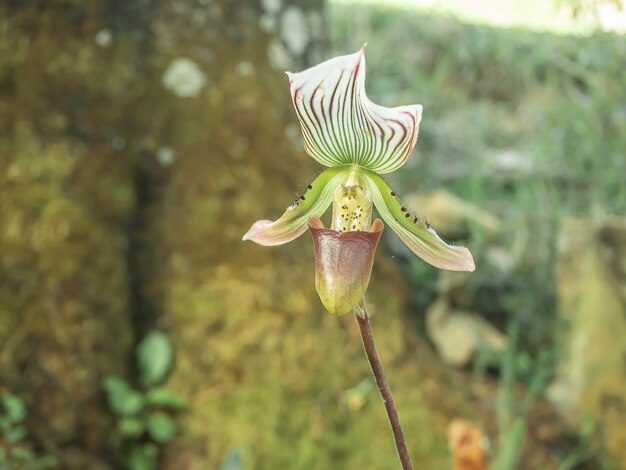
(358,141)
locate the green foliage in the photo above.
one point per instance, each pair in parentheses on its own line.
(526,125)
(13,413)
(162,397)
(14,408)
(161,427)
(554,104)
(510,450)
(515,366)
(143,457)
(14,452)
(420,274)
(154,355)
(130,427)
(511,418)
(143,415)
(123,399)
(584,450)
(233,460)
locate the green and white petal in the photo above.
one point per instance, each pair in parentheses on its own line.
(294,221)
(342,126)
(418,236)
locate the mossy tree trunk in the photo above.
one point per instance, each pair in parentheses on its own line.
(67,196)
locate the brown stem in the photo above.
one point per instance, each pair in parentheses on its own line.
(363,320)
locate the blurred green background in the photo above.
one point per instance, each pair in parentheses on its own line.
(139,140)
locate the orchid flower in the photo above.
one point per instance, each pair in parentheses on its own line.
(358,141)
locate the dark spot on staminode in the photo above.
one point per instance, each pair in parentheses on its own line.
(407,215)
(393,193)
(302,197)
(309,186)
(414,220)
(403,209)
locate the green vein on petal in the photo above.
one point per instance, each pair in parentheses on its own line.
(294,221)
(420,238)
(342,126)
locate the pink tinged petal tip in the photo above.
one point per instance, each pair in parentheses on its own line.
(417,234)
(343,264)
(270,233)
(342,126)
(294,221)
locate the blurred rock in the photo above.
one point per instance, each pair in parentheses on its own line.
(502,259)
(459,335)
(450,216)
(591,378)
(509,164)
(452,283)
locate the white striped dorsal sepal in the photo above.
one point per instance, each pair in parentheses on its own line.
(342,126)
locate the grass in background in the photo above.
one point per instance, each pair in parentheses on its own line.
(528,125)
(506,108)
(556,16)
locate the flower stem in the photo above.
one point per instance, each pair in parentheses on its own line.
(363,320)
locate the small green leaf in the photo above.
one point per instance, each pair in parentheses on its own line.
(161,396)
(233,460)
(15,434)
(21,453)
(14,407)
(154,354)
(47,462)
(161,427)
(143,457)
(512,441)
(4,424)
(130,428)
(123,400)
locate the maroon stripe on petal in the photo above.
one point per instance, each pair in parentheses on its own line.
(343,264)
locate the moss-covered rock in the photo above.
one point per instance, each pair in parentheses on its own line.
(590,380)
(66,198)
